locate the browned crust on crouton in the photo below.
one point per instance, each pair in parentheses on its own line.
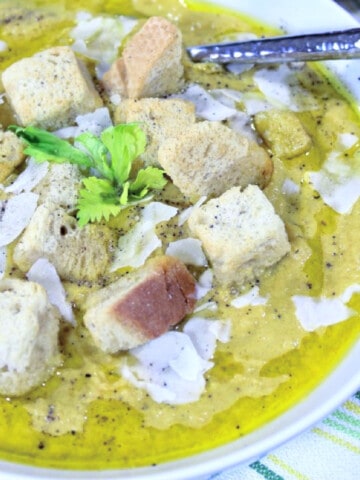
(161,300)
(151,62)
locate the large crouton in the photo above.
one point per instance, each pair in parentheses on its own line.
(29,327)
(283,132)
(159,118)
(240,233)
(11,153)
(207,158)
(50,89)
(60,186)
(140,306)
(78,254)
(150,65)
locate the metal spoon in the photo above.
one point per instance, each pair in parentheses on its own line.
(343,44)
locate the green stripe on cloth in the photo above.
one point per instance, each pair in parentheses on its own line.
(347,418)
(265,471)
(342,428)
(288,468)
(336,439)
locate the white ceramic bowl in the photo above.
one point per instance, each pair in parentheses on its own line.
(310,16)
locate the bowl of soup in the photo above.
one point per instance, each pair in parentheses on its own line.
(268,341)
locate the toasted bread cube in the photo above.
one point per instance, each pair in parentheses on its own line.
(207,158)
(29,327)
(60,186)
(150,65)
(78,254)
(160,119)
(11,153)
(283,132)
(141,305)
(50,89)
(240,233)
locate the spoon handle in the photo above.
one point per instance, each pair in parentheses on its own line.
(317,46)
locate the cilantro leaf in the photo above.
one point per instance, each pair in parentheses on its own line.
(45,146)
(125,142)
(97,200)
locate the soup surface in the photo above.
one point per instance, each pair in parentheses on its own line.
(87,416)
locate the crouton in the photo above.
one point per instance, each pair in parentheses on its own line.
(78,254)
(141,305)
(240,233)
(283,132)
(150,65)
(30,325)
(50,89)
(207,158)
(60,186)
(11,153)
(159,118)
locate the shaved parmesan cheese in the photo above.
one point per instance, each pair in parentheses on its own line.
(99,38)
(349,292)
(206,106)
(313,313)
(282,89)
(189,251)
(211,306)
(185,214)
(15,214)
(204,284)
(289,187)
(250,298)
(115,99)
(44,273)
(171,368)
(28,178)
(204,333)
(255,102)
(338,182)
(93,122)
(3,260)
(347,140)
(137,245)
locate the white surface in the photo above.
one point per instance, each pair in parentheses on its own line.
(311,15)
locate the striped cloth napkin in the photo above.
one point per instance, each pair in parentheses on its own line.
(329,451)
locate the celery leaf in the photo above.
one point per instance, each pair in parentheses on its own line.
(97,200)
(47,147)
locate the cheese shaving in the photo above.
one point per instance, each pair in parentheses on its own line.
(28,178)
(44,273)
(171,368)
(15,214)
(138,244)
(93,122)
(3,260)
(318,312)
(250,298)
(188,250)
(338,181)
(99,38)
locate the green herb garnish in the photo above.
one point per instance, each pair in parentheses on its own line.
(106,160)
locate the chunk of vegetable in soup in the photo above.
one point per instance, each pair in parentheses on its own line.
(88,416)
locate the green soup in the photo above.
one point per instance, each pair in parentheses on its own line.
(88,417)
